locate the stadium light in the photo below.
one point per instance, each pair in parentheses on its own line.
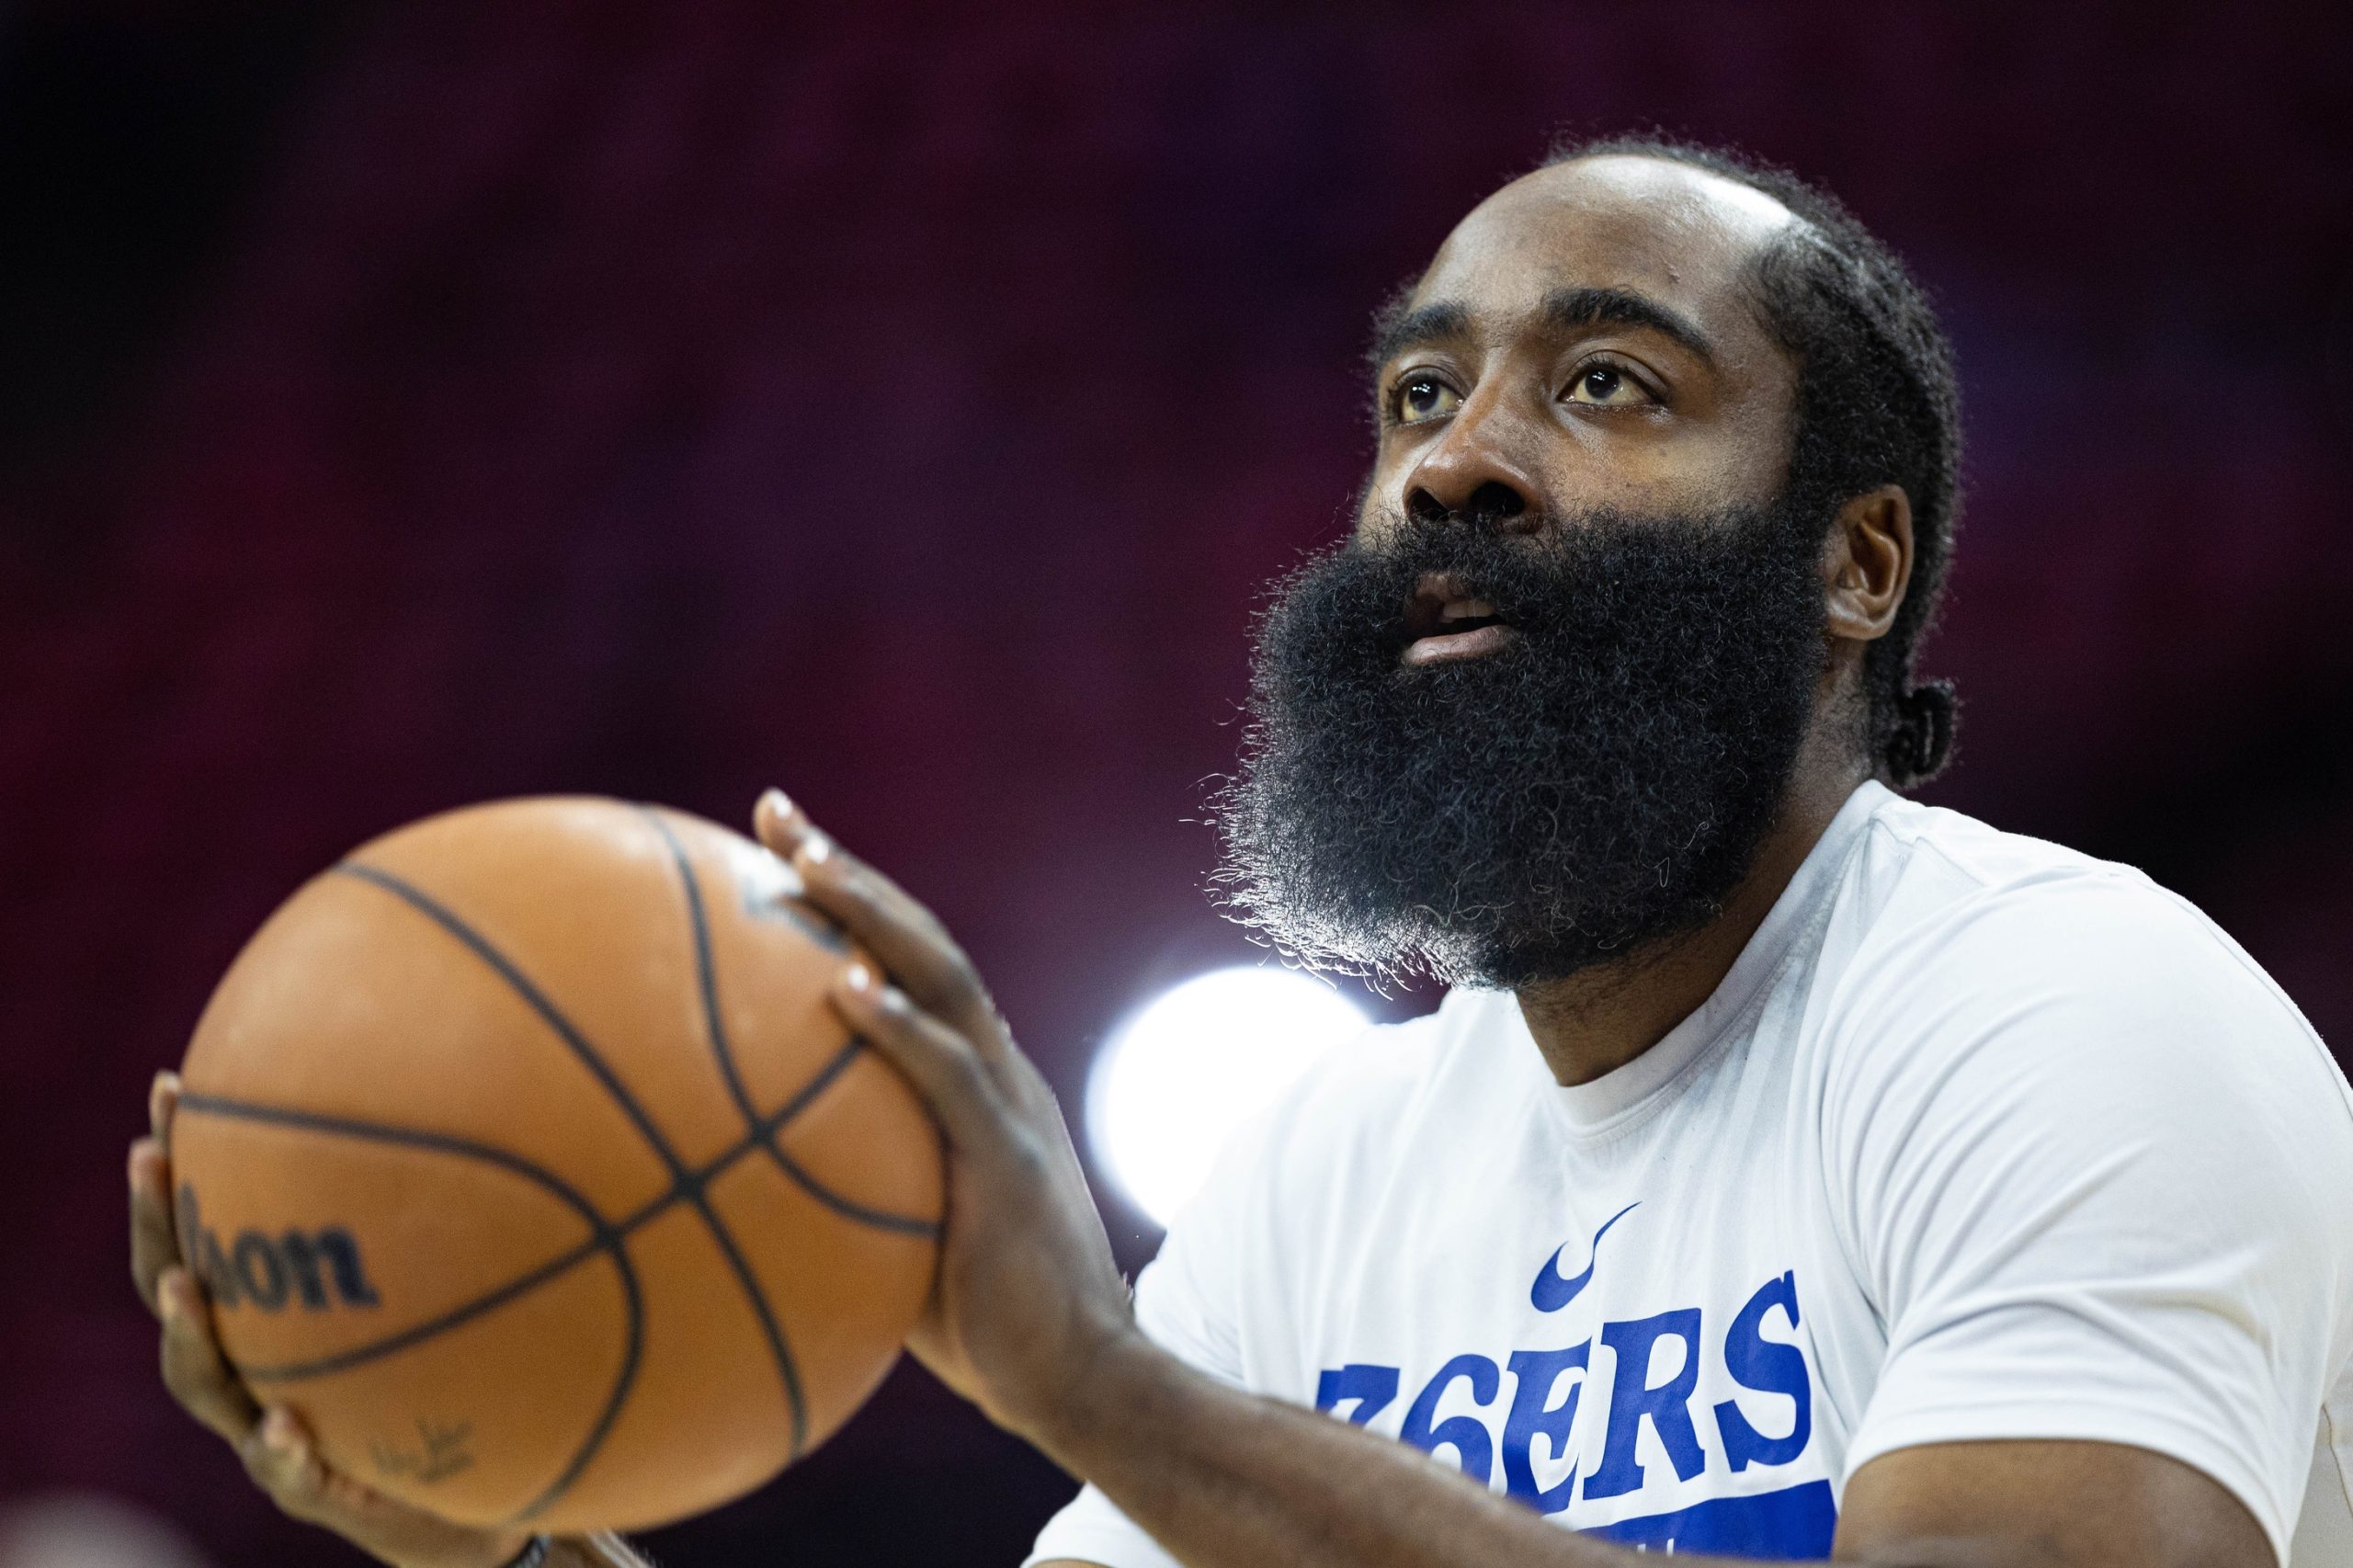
(1183,1071)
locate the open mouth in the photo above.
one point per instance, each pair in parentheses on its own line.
(1444,621)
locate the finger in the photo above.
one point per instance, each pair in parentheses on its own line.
(162,1100)
(847,886)
(193,1369)
(155,1244)
(865,901)
(905,939)
(284,1463)
(937,1061)
(779,823)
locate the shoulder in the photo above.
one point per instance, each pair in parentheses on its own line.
(2011,986)
(1964,918)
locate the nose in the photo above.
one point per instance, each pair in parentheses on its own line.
(1468,476)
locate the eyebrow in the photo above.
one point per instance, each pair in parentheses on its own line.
(1623,307)
(1397,329)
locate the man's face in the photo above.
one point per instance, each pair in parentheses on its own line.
(1543,708)
(1584,340)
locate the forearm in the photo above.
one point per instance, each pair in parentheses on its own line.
(1224,1478)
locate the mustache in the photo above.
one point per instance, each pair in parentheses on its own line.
(1530,580)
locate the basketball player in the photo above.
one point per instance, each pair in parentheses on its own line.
(1793,1172)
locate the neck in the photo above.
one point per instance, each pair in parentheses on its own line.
(1600,1019)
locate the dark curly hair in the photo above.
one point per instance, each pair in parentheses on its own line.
(1877,403)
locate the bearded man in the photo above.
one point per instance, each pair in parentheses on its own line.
(1793,1171)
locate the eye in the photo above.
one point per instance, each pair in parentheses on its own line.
(1606,386)
(1422,397)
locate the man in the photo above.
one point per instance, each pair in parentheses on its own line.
(1794,1172)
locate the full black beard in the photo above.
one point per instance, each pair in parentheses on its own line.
(1601,782)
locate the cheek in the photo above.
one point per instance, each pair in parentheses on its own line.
(1676,465)
(1649,480)
(1377,526)
(1380,500)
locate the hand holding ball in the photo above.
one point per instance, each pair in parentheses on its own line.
(523,1156)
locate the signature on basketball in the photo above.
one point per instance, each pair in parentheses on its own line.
(441,1452)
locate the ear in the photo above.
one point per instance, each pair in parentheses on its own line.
(1867,563)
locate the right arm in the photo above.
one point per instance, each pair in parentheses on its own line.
(1030,1322)
(278,1453)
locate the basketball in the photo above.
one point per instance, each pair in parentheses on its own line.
(525,1160)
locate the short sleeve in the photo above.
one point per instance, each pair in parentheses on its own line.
(2092,1165)
(1186,1302)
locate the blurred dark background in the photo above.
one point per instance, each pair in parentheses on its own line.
(406,404)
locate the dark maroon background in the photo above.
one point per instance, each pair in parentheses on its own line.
(405,405)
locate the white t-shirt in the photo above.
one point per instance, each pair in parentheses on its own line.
(1979,1139)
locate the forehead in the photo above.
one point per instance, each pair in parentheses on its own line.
(1678,235)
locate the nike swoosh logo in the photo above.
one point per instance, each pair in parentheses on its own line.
(1552,1292)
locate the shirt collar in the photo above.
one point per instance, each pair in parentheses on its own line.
(1595,1106)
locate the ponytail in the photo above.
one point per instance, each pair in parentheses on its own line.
(1918,743)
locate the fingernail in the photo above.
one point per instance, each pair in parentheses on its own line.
(814,850)
(857,977)
(778,802)
(893,999)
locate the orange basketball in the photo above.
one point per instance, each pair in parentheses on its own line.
(524,1158)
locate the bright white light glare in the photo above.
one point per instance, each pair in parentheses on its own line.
(1186,1068)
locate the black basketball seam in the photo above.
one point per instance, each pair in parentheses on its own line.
(715,1027)
(604,1238)
(848,1207)
(766,1130)
(594,1440)
(417,1333)
(785,1365)
(685,1184)
(603,1233)
(522,985)
(609,1233)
